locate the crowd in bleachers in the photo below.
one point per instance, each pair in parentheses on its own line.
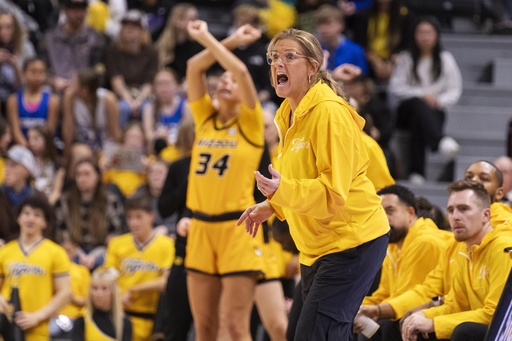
(95,119)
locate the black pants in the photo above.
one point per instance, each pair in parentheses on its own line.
(466,331)
(425,126)
(333,289)
(294,315)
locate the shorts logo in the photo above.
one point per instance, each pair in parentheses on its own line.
(18,269)
(298,144)
(132,265)
(258,251)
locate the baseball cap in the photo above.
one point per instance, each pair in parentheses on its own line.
(23,156)
(136,17)
(75,3)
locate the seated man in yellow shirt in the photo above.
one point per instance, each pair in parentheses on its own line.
(415,245)
(482,270)
(439,281)
(143,260)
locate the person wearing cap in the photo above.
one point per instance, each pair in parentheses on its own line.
(131,64)
(20,168)
(71,45)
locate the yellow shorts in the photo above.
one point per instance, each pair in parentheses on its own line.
(271,264)
(222,248)
(142,328)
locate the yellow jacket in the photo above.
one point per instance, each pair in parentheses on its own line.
(378,171)
(477,286)
(324,193)
(404,268)
(439,281)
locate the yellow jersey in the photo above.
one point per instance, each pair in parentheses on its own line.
(80,280)
(33,271)
(224,158)
(139,264)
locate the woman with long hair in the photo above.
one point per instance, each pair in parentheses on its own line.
(175,46)
(50,179)
(425,81)
(103,318)
(89,214)
(91,113)
(15,49)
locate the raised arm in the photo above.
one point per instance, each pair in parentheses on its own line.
(216,51)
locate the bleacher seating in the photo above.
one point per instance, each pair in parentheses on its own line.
(479,122)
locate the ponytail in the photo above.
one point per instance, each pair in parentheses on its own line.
(326,78)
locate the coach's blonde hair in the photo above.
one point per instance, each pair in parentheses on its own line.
(116,311)
(312,49)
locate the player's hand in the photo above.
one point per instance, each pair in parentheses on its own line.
(247,34)
(183,226)
(254,216)
(26,320)
(372,311)
(346,72)
(5,307)
(197,29)
(416,324)
(268,186)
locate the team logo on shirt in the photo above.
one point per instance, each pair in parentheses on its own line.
(18,269)
(484,272)
(232,131)
(132,265)
(298,143)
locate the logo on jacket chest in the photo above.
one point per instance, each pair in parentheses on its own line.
(299,143)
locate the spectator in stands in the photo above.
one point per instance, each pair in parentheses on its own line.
(143,260)
(89,215)
(377,114)
(426,81)
(414,250)
(157,12)
(131,65)
(384,29)
(175,47)
(38,267)
(162,117)
(104,316)
(477,286)
(90,112)
(330,24)
(51,175)
(15,49)
(71,45)
(34,104)
(20,169)
(156,173)
(5,142)
(306,13)
(504,164)
(127,176)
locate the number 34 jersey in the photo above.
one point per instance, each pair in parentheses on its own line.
(224,158)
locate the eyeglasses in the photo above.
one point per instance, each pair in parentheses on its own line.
(286,58)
